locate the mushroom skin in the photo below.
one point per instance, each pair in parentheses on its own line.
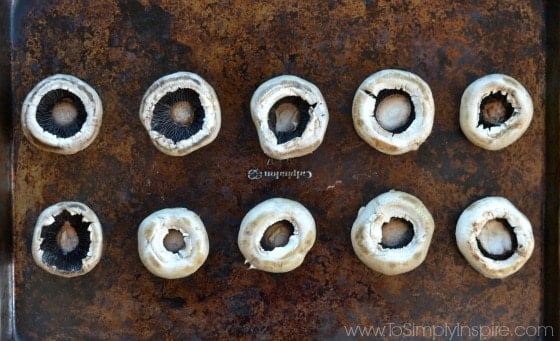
(367,232)
(502,135)
(281,258)
(96,237)
(162,262)
(272,91)
(472,221)
(48,141)
(372,132)
(208,100)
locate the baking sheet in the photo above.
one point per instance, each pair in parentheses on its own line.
(121,47)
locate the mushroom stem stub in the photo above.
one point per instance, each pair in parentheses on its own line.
(497,240)
(182,113)
(64,112)
(394,110)
(67,238)
(287,118)
(174,241)
(495,110)
(396,233)
(277,235)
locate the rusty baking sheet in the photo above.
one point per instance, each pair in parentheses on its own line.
(121,47)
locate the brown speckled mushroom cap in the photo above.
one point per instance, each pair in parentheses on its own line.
(308,129)
(367,233)
(288,255)
(471,224)
(505,130)
(178,263)
(61,114)
(389,134)
(181,113)
(67,239)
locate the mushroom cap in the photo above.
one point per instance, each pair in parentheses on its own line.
(208,100)
(162,262)
(281,258)
(367,233)
(500,136)
(470,225)
(47,141)
(369,129)
(268,94)
(96,236)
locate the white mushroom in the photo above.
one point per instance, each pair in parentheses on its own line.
(61,114)
(393,111)
(181,113)
(379,234)
(172,243)
(494,237)
(67,239)
(300,114)
(495,111)
(276,235)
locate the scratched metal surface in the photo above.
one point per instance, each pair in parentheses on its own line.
(121,47)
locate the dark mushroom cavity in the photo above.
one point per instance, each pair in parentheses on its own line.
(396,234)
(61,113)
(174,241)
(66,242)
(277,235)
(288,118)
(497,240)
(494,110)
(394,110)
(178,115)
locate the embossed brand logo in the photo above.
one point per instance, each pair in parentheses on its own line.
(257,174)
